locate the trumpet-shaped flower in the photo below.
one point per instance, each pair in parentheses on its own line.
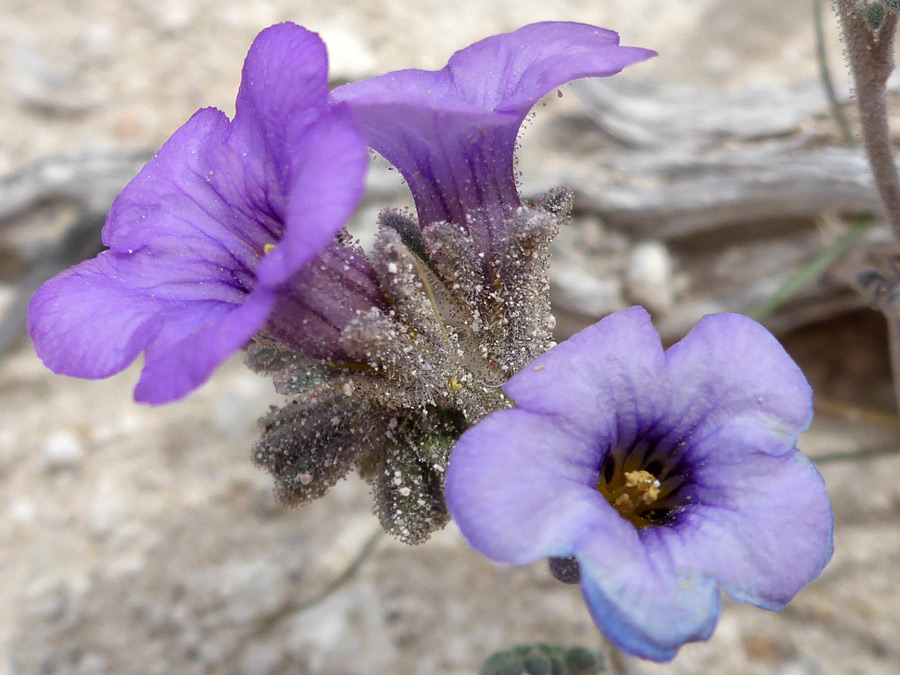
(230,228)
(451,133)
(654,475)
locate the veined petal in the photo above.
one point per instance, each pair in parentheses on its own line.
(688,446)
(730,367)
(642,604)
(183,280)
(64,320)
(284,87)
(223,191)
(314,306)
(451,133)
(760,523)
(458,164)
(326,182)
(94,319)
(606,380)
(197,200)
(192,341)
(512,72)
(521,489)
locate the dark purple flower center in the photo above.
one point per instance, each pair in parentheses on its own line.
(644,483)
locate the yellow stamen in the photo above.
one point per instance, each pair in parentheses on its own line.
(632,494)
(646,483)
(268,248)
(624,502)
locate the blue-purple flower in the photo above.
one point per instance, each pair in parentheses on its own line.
(451,133)
(663,474)
(230,228)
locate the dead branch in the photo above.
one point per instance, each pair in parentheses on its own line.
(735,190)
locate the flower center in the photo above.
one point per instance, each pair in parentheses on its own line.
(639,486)
(633,496)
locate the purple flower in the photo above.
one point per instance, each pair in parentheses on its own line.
(663,474)
(451,133)
(214,239)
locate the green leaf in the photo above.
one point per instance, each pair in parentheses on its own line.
(502,663)
(537,664)
(544,659)
(581,660)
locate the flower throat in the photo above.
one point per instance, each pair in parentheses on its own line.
(638,489)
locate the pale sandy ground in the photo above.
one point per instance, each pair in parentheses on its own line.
(139,540)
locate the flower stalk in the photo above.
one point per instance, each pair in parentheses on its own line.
(871,57)
(870,51)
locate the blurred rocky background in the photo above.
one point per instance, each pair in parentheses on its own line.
(142,540)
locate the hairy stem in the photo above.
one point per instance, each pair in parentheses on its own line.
(871,61)
(871,57)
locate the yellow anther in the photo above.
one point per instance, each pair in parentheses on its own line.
(632,494)
(268,248)
(624,502)
(645,482)
(454,384)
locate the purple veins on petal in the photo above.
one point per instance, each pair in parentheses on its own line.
(313,307)
(451,133)
(665,475)
(206,241)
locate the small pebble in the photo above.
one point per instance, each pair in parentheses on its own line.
(62,450)
(649,276)
(21,512)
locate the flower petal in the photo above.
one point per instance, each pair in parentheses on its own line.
(315,305)
(284,87)
(182,258)
(512,72)
(188,233)
(286,170)
(459,166)
(451,133)
(65,321)
(641,604)
(729,366)
(94,319)
(760,522)
(326,182)
(196,199)
(606,379)
(192,341)
(520,488)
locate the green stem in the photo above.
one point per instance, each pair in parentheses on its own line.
(811,271)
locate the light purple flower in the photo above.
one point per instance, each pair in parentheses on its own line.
(451,133)
(664,474)
(228,229)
